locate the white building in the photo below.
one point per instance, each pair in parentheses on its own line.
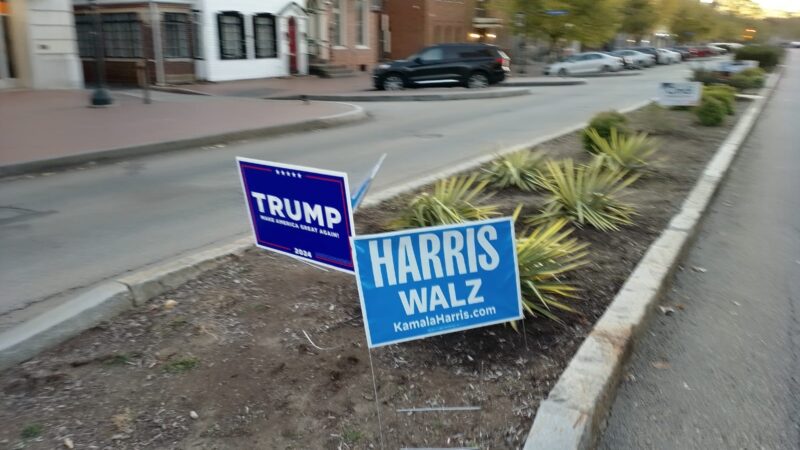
(37,45)
(252,39)
(214,40)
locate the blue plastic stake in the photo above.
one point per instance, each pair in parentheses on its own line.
(362,190)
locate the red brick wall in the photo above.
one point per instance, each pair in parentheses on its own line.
(418,23)
(354,56)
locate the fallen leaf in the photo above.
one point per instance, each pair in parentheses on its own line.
(68,443)
(660,365)
(170,304)
(667,310)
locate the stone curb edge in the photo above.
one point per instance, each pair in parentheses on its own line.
(357,114)
(499,92)
(574,412)
(107,299)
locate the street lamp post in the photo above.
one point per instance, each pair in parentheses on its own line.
(100,95)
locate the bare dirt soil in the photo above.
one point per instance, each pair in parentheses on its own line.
(270,353)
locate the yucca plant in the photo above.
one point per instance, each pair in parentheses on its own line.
(454,200)
(544,258)
(585,194)
(621,151)
(518,169)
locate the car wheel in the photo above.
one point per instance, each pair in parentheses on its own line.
(563,73)
(477,80)
(606,69)
(393,83)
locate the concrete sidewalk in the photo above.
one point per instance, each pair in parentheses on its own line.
(39,126)
(721,371)
(281,87)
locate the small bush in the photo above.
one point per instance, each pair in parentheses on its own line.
(711,112)
(518,169)
(454,200)
(754,72)
(706,76)
(742,81)
(587,194)
(544,258)
(725,94)
(767,56)
(624,152)
(603,123)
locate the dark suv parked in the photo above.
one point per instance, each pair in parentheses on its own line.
(471,65)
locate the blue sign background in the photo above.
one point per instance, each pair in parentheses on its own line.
(386,317)
(308,240)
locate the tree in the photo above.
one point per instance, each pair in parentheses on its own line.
(692,22)
(592,22)
(638,18)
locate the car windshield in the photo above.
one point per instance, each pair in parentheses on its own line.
(572,58)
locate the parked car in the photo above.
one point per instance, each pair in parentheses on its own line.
(717,50)
(471,65)
(685,52)
(701,51)
(669,56)
(585,63)
(651,51)
(634,59)
(729,46)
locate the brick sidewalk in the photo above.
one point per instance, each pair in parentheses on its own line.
(283,87)
(40,125)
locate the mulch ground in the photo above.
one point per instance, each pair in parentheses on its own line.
(269,353)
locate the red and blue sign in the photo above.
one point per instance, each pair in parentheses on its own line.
(299,211)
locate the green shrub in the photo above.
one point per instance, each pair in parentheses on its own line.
(587,194)
(31,431)
(711,112)
(624,152)
(603,123)
(706,76)
(725,94)
(544,258)
(518,169)
(742,81)
(767,56)
(754,72)
(454,200)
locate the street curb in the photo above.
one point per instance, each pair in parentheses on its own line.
(609,74)
(59,324)
(358,114)
(574,413)
(108,299)
(517,82)
(501,92)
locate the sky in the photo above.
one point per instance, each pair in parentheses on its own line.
(780,5)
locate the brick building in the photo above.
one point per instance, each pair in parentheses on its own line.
(414,24)
(344,33)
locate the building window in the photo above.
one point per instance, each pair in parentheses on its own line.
(337,19)
(231,35)
(361,22)
(84,27)
(122,35)
(197,38)
(176,35)
(266,36)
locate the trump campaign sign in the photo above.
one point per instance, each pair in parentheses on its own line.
(429,281)
(299,211)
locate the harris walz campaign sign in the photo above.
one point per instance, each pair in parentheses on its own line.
(428,281)
(299,211)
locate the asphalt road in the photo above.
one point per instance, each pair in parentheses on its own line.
(724,372)
(73,229)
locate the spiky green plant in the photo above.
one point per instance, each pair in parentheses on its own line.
(620,151)
(544,258)
(518,169)
(585,194)
(454,200)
